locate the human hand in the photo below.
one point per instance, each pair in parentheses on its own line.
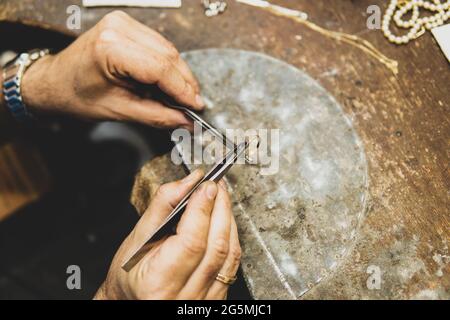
(184,265)
(108,72)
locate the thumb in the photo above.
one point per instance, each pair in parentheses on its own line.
(194,224)
(166,198)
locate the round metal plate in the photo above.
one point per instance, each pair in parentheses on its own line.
(297,225)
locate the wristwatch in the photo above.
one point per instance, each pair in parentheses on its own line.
(12,78)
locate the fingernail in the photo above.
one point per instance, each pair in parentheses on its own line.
(199,101)
(222,184)
(211,191)
(192,176)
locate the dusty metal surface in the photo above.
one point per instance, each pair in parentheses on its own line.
(299,221)
(297,224)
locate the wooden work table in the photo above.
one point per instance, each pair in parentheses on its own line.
(403,121)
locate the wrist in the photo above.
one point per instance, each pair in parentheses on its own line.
(36,84)
(107,291)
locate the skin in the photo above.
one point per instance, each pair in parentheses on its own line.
(184,265)
(109,73)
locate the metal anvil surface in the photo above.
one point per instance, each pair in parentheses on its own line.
(298,215)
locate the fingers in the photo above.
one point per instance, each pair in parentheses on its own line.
(219,290)
(216,252)
(189,76)
(164,201)
(152,113)
(142,34)
(194,224)
(145,64)
(180,255)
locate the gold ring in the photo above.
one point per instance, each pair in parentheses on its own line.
(225,279)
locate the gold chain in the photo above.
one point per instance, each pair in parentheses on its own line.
(301,17)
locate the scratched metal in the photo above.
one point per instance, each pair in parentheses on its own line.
(296,226)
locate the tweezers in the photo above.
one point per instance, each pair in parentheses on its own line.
(205,125)
(215,174)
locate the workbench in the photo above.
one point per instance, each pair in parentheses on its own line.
(403,122)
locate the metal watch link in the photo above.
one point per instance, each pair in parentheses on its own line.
(12,78)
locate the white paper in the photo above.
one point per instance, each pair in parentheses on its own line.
(442,36)
(133,3)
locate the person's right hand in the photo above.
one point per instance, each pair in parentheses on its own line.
(102,73)
(184,265)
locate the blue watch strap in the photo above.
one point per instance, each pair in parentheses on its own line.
(12,79)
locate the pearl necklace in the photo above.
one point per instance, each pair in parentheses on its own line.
(416,25)
(214,8)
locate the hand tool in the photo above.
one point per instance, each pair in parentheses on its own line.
(205,125)
(215,174)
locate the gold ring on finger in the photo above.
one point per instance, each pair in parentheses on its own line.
(225,279)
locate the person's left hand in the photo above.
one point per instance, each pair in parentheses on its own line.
(183,265)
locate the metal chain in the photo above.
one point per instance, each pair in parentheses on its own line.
(214,8)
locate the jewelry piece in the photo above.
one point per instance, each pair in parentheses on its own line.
(12,82)
(417,26)
(225,279)
(302,17)
(214,8)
